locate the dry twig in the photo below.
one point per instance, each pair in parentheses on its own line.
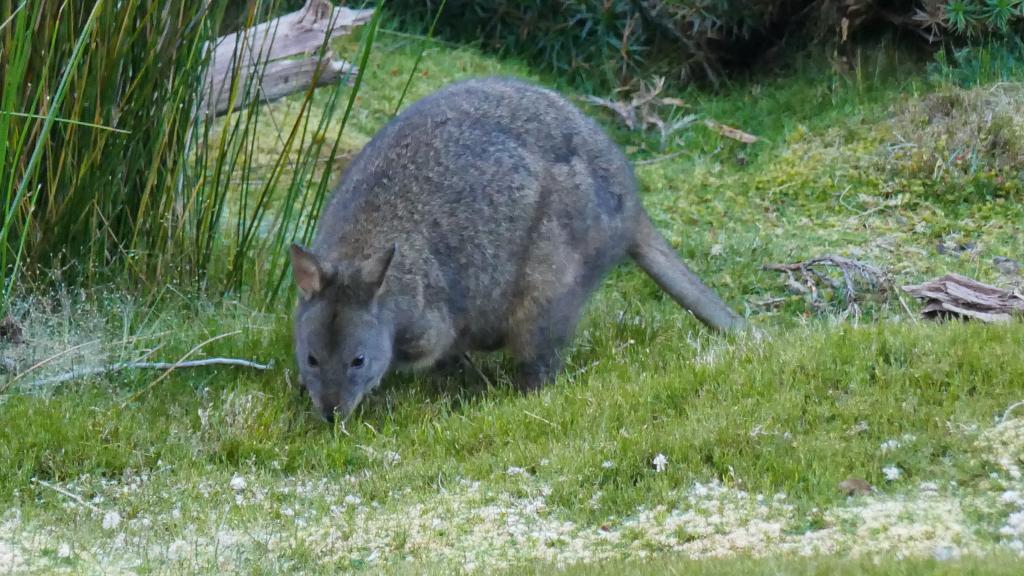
(477,369)
(1006,414)
(811,277)
(730,132)
(638,113)
(173,366)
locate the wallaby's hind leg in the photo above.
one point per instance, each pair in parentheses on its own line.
(538,340)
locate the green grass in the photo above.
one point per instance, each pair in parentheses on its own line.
(227,469)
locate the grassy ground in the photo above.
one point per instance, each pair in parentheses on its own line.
(227,469)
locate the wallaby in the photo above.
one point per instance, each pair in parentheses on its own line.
(482,217)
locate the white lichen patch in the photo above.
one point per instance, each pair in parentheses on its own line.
(907,527)
(1003,446)
(12,556)
(466,527)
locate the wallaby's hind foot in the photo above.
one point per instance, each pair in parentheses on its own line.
(537,345)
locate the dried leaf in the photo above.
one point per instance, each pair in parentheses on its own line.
(854,486)
(730,132)
(672,101)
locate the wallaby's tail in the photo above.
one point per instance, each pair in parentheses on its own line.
(654,254)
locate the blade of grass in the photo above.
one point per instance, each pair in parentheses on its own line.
(419,57)
(66,121)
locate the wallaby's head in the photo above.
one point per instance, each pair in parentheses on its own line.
(342,344)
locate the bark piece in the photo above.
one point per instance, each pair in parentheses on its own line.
(960,296)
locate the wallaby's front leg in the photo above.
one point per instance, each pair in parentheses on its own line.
(534,373)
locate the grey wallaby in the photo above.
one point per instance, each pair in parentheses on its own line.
(482,217)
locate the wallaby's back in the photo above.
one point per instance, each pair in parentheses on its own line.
(492,184)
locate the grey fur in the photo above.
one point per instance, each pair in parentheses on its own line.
(480,218)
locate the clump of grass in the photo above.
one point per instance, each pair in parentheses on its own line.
(962,145)
(112,172)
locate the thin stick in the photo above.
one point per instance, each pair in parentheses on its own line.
(1010,409)
(910,314)
(195,349)
(76,374)
(479,372)
(46,361)
(544,420)
(67,493)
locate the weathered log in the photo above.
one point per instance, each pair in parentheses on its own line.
(266,50)
(959,296)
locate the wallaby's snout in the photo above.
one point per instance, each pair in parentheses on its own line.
(331,407)
(336,396)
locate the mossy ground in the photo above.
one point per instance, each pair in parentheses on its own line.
(226,469)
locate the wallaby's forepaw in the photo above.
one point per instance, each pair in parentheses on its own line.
(535,375)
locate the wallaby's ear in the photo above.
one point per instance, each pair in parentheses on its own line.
(375,269)
(308,273)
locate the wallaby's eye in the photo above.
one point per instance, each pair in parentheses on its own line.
(358,361)
(312,361)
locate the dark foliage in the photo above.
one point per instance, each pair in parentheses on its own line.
(611,42)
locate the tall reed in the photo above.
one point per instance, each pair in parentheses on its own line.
(109,171)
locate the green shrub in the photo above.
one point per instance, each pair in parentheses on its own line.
(611,42)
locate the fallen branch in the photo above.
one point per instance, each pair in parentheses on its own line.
(627,110)
(265,48)
(954,295)
(43,362)
(180,361)
(82,373)
(811,277)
